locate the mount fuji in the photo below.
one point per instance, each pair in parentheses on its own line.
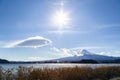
(86,55)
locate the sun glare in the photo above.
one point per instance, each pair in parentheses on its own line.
(61,19)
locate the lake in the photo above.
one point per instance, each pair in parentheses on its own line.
(54,65)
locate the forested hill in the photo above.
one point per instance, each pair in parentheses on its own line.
(4,61)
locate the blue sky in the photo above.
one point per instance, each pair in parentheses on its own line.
(28,32)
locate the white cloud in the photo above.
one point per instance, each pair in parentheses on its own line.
(62,52)
(104,53)
(55,49)
(65,52)
(33,42)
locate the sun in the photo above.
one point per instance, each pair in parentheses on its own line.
(61,19)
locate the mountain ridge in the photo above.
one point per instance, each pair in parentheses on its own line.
(83,56)
(86,55)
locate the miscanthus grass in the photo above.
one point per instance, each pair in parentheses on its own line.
(69,73)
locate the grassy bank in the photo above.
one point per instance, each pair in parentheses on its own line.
(75,73)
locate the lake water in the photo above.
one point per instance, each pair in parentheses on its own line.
(54,65)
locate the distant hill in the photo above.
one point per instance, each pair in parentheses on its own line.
(4,61)
(85,61)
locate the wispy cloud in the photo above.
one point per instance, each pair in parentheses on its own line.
(94,28)
(85,31)
(33,42)
(65,52)
(60,32)
(104,53)
(55,49)
(62,52)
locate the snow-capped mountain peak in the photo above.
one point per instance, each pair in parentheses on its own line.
(84,52)
(86,55)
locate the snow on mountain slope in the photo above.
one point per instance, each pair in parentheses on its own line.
(84,54)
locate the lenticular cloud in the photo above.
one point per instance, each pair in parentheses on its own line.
(33,42)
